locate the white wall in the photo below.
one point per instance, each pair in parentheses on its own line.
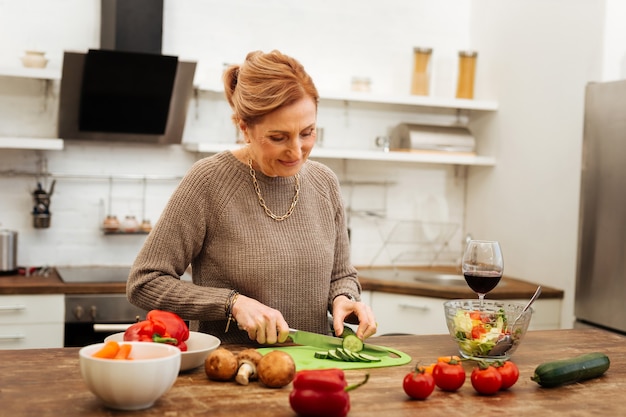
(538,64)
(535,57)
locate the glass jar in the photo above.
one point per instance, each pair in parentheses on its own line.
(145,226)
(111,224)
(421,77)
(467,74)
(130,224)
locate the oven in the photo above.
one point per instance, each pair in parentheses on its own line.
(89,318)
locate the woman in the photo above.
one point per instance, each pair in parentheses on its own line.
(263,227)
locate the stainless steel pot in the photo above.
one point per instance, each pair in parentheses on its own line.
(8,251)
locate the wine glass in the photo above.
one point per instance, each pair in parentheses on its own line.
(482,266)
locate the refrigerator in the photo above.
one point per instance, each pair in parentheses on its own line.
(600,298)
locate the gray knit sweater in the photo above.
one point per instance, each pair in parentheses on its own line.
(214,222)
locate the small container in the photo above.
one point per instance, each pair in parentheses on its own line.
(41,220)
(467,74)
(111,224)
(130,224)
(145,226)
(363,84)
(421,76)
(34,59)
(8,251)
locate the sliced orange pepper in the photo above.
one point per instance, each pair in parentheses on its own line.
(124,351)
(447,359)
(427,369)
(108,351)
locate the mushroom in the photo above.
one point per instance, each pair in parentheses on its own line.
(276,369)
(221,365)
(248,360)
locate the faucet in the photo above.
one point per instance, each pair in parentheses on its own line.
(468,238)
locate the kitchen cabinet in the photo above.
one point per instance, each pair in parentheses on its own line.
(414,102)
(31,321)
(408,314)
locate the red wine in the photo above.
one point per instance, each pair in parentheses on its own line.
(482,282)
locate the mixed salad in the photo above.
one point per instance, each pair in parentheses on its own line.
(478,331)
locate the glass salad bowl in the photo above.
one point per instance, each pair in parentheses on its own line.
(489,333)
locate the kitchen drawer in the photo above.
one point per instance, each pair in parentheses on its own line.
(15,309)
(31,336)
(546,314)
(397,313)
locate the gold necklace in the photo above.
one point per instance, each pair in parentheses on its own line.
(262,202)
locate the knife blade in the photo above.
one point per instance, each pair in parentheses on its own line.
(321,341)
(300,337)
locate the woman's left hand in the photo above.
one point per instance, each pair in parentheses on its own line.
(344,308)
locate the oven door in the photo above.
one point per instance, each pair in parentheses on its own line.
(89,318)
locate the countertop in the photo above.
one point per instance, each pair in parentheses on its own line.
(47,382)
(509,288)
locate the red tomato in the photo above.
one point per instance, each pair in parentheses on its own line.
(418,384)
(486,379)
(449,376)
(509,373)
(477,331)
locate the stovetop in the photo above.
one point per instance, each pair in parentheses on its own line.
(93,273)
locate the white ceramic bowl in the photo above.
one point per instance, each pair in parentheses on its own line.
(133,384)
(199,345)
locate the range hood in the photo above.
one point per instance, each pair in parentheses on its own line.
(127,91)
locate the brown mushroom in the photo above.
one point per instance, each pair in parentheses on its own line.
(276,369)
(221,365)
(248,360)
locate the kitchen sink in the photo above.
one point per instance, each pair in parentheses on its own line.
(414,275)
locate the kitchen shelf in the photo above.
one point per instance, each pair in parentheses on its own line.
(409,100)
(373,155)
(37,73)
(396,99)
(122,232)
(51,144)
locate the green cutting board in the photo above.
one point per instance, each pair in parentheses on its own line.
(304,357)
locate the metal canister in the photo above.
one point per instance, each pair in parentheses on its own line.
(8,251)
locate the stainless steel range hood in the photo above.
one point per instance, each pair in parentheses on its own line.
(127,91)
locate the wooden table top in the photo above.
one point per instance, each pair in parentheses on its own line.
(47,382)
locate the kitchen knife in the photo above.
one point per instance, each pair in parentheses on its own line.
(321,341)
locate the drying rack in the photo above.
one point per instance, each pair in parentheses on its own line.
(410,242)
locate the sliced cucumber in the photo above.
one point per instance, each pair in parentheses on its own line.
(321,354)
(332,354)
(368,358)
(346,355)
(352,343)
(347,330)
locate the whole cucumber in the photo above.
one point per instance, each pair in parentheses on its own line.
(567,371)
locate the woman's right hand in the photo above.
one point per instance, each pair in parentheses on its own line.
(263,324)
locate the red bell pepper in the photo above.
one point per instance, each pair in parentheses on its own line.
(323,392)
(160,327)
(174,325)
